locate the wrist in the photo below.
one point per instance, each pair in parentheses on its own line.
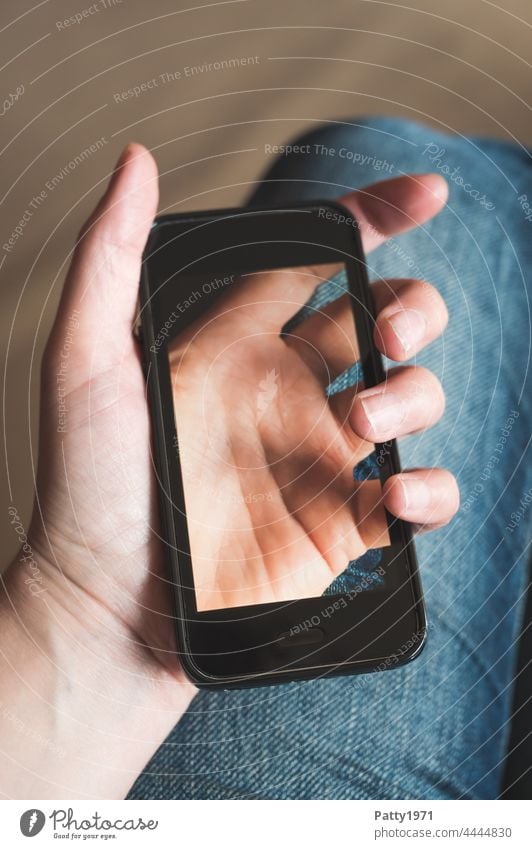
(84,702)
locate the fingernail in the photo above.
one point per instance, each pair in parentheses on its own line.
(409,326)
(416,493)
(384,411)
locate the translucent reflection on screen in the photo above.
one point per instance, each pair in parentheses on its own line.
(283,499)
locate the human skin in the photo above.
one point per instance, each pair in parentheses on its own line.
(267,458)
(90,680)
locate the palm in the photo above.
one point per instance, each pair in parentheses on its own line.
(101,522)
(267,461)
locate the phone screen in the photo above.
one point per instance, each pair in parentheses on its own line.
(283,500)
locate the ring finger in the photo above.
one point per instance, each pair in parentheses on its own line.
(411,399)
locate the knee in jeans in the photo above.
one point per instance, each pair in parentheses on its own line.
(373,133)
(331,159)
(365,144)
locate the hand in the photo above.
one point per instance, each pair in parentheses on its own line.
(95,654)
(267,454)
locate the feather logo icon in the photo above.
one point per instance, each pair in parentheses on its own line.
(268,390)
(32,822)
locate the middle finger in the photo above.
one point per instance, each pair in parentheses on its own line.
(410,400)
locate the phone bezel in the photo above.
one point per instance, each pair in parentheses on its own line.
(326,230)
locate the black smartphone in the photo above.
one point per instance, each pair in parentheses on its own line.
(257,331)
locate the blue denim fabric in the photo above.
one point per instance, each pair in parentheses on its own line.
(437,728)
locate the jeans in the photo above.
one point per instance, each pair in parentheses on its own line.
(437,728)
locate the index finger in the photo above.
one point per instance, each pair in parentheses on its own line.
(385,209)
(380,211)
(391,207)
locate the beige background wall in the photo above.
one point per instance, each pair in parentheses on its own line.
(462,65)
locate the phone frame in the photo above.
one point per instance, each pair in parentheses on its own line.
(252,642)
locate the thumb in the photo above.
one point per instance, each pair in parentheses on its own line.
(99,300)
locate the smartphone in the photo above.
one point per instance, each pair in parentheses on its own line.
(257,331)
